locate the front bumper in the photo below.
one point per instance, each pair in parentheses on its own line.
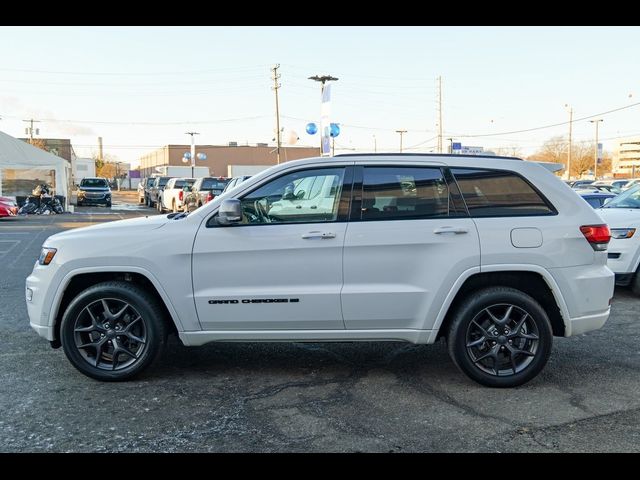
(36,293)
(94,198)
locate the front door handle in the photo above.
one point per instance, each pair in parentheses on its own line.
(454,230)
(317,234)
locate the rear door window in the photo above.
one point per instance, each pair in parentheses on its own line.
(499,193)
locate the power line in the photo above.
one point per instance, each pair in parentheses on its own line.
(551,125)
(199,122)
(111,73)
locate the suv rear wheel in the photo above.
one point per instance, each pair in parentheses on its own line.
(500,337)
(113,331)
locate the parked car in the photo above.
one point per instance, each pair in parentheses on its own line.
(94,191)
(143,189)
(577,183)
(383,247)
(598,188)
(156,190)
(8,207)
(172,196)
(595,199)
(616,183)
(235,181)
(203,191)
(631,183)
(622,214)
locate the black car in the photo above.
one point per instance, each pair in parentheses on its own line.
(94,191)
(204,190)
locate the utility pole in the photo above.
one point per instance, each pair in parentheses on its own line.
(450,145)
(100,149)
(439,114)
(401,132)
(595,154)
(29,130)
(375,145)
(275,88)
(193,151)
(570,139)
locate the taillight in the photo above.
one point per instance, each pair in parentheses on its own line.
(598,236)
(180,195)
(210,197)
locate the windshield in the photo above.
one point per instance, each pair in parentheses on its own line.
(94,182)
(627,199)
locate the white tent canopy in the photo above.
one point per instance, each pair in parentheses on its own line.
(17,158)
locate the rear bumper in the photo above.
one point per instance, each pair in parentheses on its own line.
(589,322)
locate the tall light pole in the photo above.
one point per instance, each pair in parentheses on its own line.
(569,150)
(375,145)
(322,79)
(450,145)
(595,154)
(401,132)
(193,151)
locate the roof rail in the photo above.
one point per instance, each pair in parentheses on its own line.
(424,155)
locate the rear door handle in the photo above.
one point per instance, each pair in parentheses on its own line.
(316,234)
(454,230)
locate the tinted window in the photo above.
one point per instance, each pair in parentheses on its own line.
(497,193)
(213,184)
(594,202)
(163,181)
(182,183)
(150,181)
(300,197)
(94,183)
(392,193)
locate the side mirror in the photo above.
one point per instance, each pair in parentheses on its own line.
(606,200)
(230,212)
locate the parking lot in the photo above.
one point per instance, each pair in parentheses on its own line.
(346,397)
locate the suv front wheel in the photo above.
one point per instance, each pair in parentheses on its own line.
(113,331)
(500,337)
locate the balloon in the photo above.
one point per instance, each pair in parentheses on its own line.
(311,128)
(187,155)
(201,156)
(334,130)
(185,159)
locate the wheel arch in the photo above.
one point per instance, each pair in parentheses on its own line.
(530,279)
(79,280)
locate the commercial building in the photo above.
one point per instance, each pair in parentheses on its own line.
(220,157)
(626,157)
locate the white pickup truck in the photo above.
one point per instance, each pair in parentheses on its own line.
(172,197)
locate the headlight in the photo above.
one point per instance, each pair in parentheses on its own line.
(622,232)
(46,255)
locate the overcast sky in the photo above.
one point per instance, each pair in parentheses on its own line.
(143,87)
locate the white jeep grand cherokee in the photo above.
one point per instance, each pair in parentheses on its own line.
(496,255)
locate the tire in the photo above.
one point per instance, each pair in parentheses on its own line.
(78,327)
(78,204)
(635,283)
(159,205)
(108,204)
(475,345)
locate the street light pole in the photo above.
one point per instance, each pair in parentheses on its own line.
(375,145)
(595,154)
(450,145)
(569,149)
(322,79)
(193,152)
(401,132)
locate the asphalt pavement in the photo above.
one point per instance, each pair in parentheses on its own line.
(295,397)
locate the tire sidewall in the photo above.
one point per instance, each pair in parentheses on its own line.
(156,335)
(476,303)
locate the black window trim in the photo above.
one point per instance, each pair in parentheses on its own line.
(344,203)
(547,202)
(358,189)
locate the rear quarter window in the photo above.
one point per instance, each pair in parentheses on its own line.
(500,193)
